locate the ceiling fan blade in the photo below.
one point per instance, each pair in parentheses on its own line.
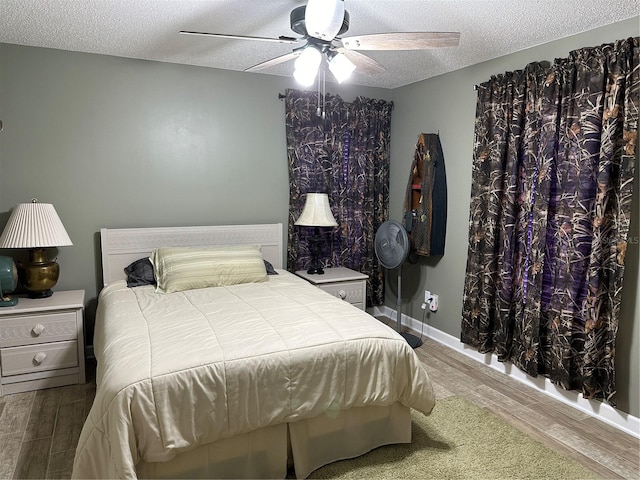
(281,39)
(363,63)
(274,61)
(402,41)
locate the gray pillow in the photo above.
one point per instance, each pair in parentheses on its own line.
(269,268)
(140,273)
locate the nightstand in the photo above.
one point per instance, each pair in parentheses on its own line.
(349,285)
(42,342)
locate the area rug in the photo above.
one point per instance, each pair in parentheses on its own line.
(460,441)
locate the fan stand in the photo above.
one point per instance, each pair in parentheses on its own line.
(412,340)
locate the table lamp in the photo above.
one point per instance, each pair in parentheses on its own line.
(316,213)
(36,226)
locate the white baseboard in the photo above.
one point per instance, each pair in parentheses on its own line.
(600,410)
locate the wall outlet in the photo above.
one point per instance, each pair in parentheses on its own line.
(433,306)
(427,296)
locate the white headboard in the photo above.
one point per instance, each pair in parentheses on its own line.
(121,246)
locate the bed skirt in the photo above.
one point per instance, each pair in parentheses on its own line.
(307,444)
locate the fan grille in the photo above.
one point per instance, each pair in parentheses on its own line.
(391,244)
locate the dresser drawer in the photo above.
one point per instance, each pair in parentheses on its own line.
(37,358)
(351,292)
(43,328)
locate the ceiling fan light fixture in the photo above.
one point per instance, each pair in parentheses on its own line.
(306,66)
(309,59)
(323,18)
(303,78)
(341,67)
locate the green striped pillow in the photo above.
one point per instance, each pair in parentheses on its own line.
(177,269)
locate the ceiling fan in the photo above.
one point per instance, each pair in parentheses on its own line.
(321,22)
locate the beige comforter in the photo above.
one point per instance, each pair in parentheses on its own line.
(246,356)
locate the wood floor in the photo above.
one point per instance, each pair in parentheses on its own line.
(603,449)
(39,430)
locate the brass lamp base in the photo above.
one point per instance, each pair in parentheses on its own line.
(39,275)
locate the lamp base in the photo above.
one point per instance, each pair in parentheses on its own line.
(39,275)
(41,293)
(314,248)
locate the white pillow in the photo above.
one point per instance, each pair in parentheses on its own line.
(177,269)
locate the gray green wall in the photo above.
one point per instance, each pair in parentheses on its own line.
(446,104)
(116,142)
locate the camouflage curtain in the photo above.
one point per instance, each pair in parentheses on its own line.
(553,168)
(345,154)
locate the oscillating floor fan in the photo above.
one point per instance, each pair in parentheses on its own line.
(392,248)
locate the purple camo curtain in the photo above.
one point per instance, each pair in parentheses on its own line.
(345,154)
(553,169)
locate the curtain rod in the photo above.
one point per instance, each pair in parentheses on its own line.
(282,96)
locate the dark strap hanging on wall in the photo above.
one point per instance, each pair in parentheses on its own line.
(426,199)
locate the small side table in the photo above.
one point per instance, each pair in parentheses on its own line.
(42,342)
(344,283)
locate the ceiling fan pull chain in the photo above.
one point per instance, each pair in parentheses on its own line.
(318,111)
(324,93)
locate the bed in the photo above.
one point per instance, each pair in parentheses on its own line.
(251,380)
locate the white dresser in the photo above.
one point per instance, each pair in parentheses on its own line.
(42,342)
(344,283)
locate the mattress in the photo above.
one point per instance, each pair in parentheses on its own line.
(180,370)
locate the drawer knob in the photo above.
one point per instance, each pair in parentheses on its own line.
(37,329)
(342,294)
(39,357)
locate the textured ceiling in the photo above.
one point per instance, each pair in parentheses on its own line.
(148,29)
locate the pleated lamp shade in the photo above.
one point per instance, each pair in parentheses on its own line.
(34,225)
(316,212)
